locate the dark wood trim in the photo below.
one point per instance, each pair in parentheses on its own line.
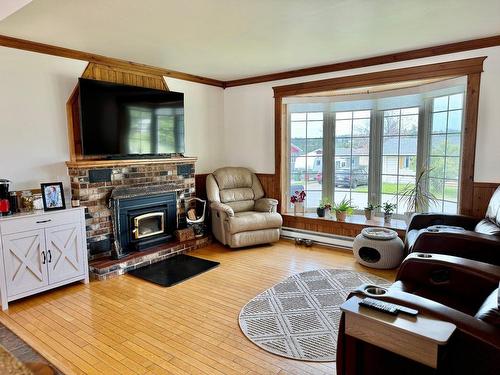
(466,199)
(443,49)
(470,67)
(27,45)
(445,69)
(481,197)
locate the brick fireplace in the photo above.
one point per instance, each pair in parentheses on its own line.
(92,182)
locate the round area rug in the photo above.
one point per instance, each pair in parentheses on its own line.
(299,317)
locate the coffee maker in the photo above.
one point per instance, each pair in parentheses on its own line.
(4,197)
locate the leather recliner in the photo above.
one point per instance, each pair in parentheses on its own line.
(452,289)
(241,216)
(479,239)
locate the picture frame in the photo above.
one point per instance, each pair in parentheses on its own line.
(53,196)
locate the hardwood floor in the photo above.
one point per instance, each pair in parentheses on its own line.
(129,326)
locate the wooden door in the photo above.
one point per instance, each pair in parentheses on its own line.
(64,252)
(25,261)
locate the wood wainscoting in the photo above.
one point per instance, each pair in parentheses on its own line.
(482,193)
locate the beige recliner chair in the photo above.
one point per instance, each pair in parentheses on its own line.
(241,216)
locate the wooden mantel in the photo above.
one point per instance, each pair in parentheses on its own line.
(88,163)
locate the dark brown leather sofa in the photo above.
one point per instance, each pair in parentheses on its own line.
(456,290)
(478,240)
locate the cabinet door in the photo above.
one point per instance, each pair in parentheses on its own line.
(25,261)
(64,252)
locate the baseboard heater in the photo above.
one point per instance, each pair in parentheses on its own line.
(319,238)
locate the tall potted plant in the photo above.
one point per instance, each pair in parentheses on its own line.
(417,197)
(297,199)
(343,208)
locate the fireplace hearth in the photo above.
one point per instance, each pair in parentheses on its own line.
(142,218)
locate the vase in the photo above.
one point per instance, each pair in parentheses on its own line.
(340,215)
(298,208)
(320,211)
(387,218)
(368,214)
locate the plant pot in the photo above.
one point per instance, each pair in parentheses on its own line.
(368,214)
(340,215)
(387,218)
(298,208)
(320,211)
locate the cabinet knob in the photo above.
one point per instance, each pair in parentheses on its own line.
(43,221)
(44,257)
(50,256)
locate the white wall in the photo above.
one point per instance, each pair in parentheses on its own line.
(249,116)
(34,89)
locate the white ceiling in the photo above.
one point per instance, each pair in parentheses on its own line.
(230,39)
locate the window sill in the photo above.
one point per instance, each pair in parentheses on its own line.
(350,227)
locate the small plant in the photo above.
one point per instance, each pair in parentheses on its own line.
(298,197)
(343,208)
(389,208)
(369,209)
(325,204)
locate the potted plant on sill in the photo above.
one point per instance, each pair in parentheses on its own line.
(369,210)
(325,204)
(297,199)
(343,208)
(416,197)
(388,211)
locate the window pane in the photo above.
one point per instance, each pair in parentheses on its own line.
(362,114)
(452,167)
(312,199)
(455,121)
(361,127)
(437,166)
(390,164)
(343,128)
(389,184)
(298,117)
(439,122)
(409,125)
(438,145)
(408,145)
(440,104)
(409,111)
(392,112)
(315,129)
(298,130)
(343,115)
(391,125)
(360,146)
(390,146)
(453,145)
(315,116)
(450,208)
(342,146)
(436,187)
(408,165)
(342,162)
(456,101)
(451,190)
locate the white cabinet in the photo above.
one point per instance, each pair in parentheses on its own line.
(41,251)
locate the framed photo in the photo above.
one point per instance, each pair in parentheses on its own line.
(53,196)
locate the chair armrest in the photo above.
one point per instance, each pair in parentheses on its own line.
(468,324)
(468,280)
(221,207)
(266,205)
(419,221)
(466,244)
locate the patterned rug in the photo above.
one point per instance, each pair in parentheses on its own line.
(299,317)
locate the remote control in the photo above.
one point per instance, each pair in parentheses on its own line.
(387,307)
(379,305)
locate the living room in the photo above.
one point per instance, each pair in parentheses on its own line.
(224,187)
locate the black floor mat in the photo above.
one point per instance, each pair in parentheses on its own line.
(173,270)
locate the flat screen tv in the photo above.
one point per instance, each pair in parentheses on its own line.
(127,121)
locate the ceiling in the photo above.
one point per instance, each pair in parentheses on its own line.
(232,39)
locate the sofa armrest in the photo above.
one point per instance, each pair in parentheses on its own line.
(419,221)
(465,280)
(266,205)
(223,208)
(464,244)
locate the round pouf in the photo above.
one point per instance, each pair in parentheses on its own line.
(378,248)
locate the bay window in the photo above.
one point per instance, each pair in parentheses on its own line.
(368,147)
